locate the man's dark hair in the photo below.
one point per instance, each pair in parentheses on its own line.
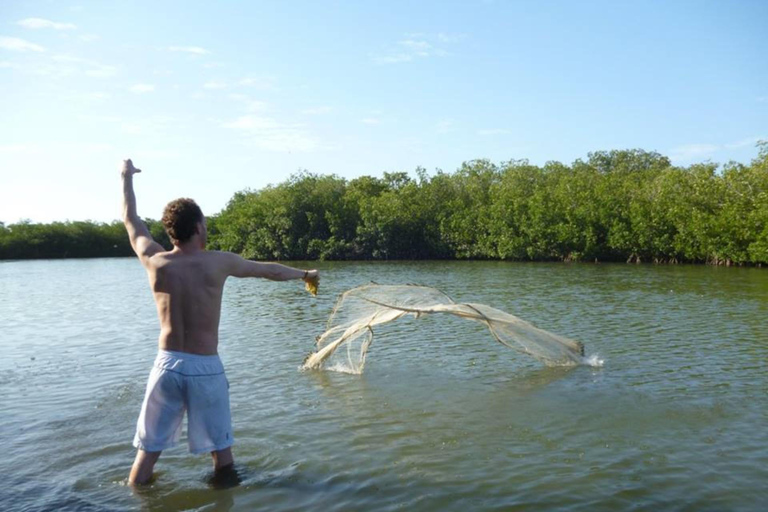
(180,219)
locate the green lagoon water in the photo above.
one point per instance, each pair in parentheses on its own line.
(443,418)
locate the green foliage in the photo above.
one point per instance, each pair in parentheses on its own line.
(25,240)
(630,205)
(616,206)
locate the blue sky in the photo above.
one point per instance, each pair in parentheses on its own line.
(209,98)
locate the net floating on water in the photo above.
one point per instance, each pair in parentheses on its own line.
(349,333)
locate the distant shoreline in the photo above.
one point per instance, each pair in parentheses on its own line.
(405,260)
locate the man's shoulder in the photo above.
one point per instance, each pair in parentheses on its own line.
(171,258)
(158,259)
(221,259)
(204,262)
(220,255)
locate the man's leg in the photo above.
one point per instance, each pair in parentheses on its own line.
(141,472)
(222,458)
(224,476)
(159,424)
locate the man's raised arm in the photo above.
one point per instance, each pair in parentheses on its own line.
(141,239)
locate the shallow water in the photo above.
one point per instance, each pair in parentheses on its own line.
(443,418)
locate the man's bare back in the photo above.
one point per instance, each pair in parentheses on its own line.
(187,290)
(187,283)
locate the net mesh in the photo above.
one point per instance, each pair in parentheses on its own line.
(349,333)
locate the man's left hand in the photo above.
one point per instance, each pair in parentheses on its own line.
(129,169)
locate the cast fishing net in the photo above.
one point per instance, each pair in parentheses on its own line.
(344,344)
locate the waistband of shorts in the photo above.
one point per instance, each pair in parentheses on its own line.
(188,364)
(187,356)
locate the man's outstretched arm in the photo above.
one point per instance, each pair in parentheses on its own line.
(240,267)
(141,239)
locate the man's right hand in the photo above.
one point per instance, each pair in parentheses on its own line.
(311,281)
(129,169)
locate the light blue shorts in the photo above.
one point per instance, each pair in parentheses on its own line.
(180,382)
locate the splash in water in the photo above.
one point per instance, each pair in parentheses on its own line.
(343,346)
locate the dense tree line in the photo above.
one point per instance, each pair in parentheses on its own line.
(614,206)
(26,240)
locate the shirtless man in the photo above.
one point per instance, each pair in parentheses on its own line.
(188,375)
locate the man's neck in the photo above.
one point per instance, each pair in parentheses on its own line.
(189,247)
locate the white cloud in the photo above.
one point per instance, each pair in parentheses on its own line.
(56,66)
(371,120)
(744,143)
(195,50)
(99,96)
(316,111)
(250,104)
(417,46)
(407,50)
(693,151)
(89,38)
(37,23)
(101,71)
(141,88)
(689,152)
(56,71)
(19,45)
(256,106)
(68,64)
(450,38)
(493,131)
(259,83)
(69,58)
(214,85)
(393,59)
(268,134)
